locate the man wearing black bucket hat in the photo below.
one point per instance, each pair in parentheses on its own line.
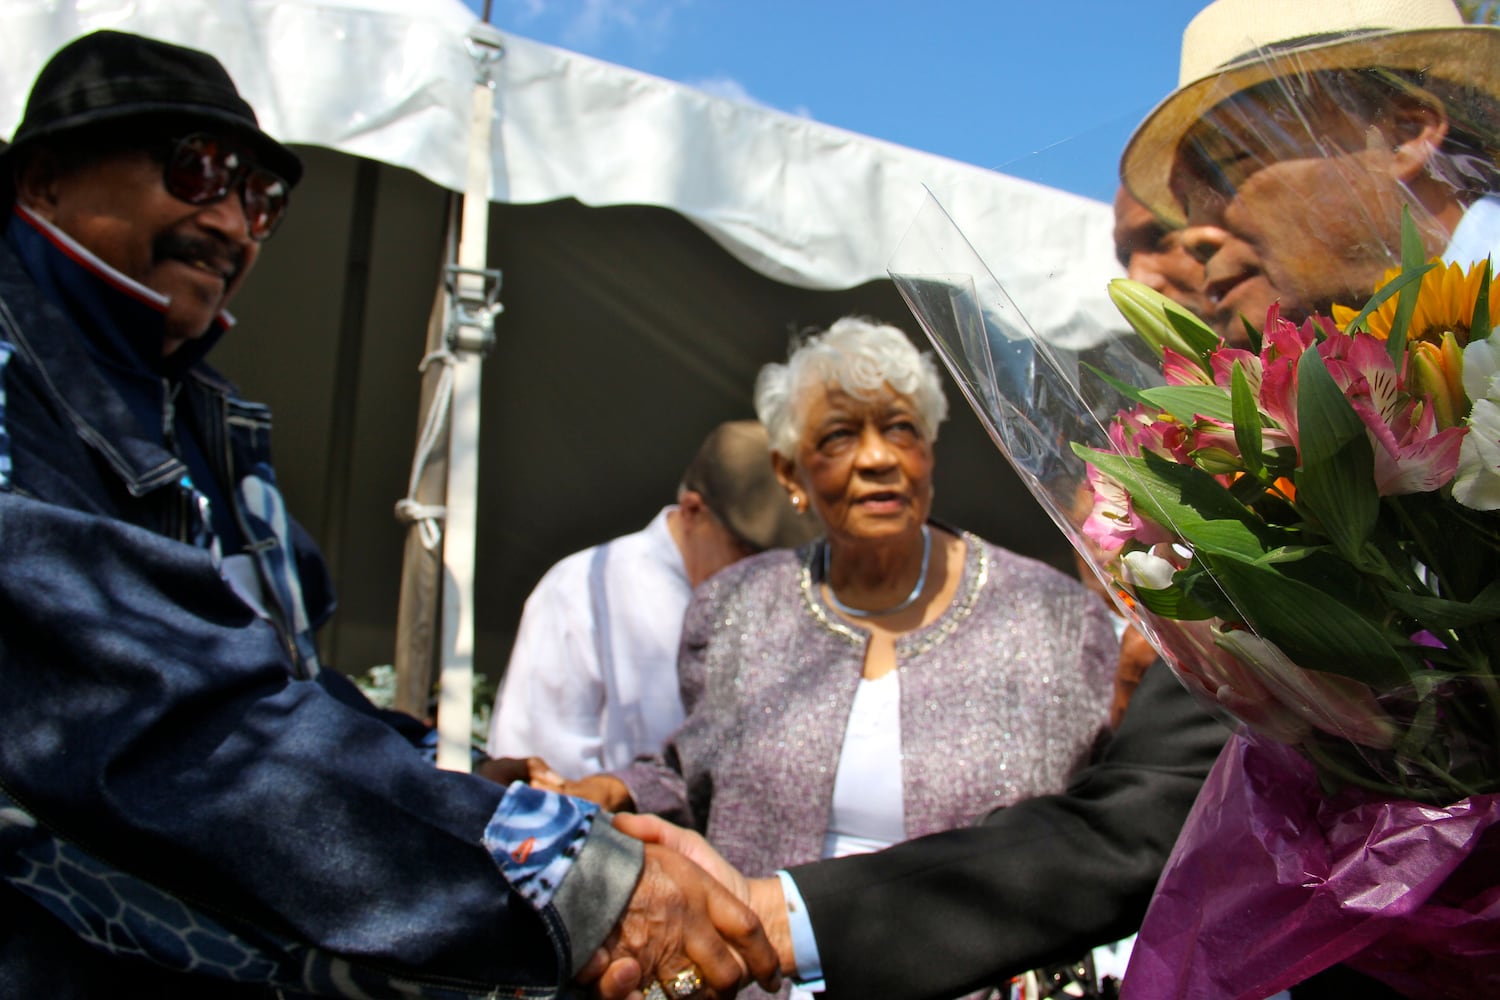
(189,805)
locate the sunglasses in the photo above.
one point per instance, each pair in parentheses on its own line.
(202,169)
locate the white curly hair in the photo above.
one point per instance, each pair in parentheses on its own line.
(859,356)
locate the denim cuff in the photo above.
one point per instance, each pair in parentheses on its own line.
(535,836)
(562,852)
(598,888)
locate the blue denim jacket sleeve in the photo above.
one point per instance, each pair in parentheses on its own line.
(156,746)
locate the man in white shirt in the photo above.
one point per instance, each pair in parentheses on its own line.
(592,678)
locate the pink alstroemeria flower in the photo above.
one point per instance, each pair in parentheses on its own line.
(1411,454)
(1223,361)
(1146,429)
(1216,450)
(1218,678)
(1180,370)
(1338,705)
(1113,521)
(1280,351)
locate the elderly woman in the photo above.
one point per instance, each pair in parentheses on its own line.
(889,680)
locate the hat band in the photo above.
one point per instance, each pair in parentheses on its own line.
(1287,44)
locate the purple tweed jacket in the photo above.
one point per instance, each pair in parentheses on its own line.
(1002,698)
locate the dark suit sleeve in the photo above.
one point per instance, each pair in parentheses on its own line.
(1040,881)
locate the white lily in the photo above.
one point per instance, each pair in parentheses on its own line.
(1477,482)
(1148,570)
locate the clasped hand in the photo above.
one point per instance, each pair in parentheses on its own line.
(691,909)
(621,977)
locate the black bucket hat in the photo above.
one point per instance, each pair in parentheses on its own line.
(112,76)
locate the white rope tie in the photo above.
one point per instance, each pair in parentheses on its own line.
(429,517)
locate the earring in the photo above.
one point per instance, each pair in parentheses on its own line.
(797,503)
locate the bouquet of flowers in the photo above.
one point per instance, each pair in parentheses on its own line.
(1306,530)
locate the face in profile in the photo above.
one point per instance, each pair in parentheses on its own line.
(1294,194)
(1154,254)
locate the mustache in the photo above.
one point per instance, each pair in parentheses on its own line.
(189,247)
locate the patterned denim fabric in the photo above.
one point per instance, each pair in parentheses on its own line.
(266,520)
(117,912)
(5,353)
(534,837)
(200,533)
(125,916)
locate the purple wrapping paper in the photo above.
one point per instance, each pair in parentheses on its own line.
(1274,880)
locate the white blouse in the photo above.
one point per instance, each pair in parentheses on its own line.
(867,813)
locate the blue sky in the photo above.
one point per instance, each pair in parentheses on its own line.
(1040,89)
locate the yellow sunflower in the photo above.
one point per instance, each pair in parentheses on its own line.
(1436,337)
(1445,304)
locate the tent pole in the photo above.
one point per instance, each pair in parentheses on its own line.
(473,292)
(422,559)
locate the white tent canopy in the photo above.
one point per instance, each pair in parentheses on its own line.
(658,246)
(801,202)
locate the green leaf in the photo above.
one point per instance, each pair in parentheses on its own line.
(1198,337)
(1246,414)
(1337,481)
(1413,258)
(1378,299)
(1252,334)
(1172,602)
(1413,743)
(1177,497)
(1291,553)
(1315,629)
(1235,539)
(1188,402)
(1436,612)
(1130,392)
(1479,325)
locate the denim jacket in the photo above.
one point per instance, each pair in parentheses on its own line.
(188,806)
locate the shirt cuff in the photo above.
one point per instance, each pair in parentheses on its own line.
(562,855)
(804,945)
(534,836)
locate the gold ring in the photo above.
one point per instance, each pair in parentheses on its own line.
(679,987)
(686,984)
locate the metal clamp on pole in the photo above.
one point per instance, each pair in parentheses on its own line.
(486,46)
(475,294)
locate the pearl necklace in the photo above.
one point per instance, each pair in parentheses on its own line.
(911,598)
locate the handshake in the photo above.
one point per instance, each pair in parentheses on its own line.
(695,927)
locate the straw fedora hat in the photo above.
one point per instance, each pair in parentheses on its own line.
(1232,45)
